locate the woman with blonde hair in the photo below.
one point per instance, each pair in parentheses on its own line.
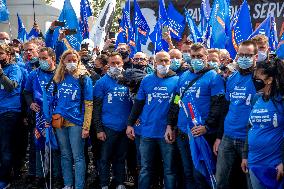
(72,116)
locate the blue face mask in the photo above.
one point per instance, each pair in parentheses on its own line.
(186,57)
(197,65)
(213,65)
(43,64)
(280,52)
(175,64)
(245,62)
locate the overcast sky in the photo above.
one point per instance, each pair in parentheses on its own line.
(75,3)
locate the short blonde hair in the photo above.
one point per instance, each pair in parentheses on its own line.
(260,38)
(61,71)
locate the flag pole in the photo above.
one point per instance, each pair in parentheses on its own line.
(34,10)
(10,29)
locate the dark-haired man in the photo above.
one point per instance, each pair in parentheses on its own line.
(240,91)
(112,106)
(206,93)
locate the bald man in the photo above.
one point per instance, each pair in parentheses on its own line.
(151,108)
(177,62)
(4,38)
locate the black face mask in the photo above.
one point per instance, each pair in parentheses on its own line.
(3,62)
(98,70)
(124,54)
(258,84)
(138,66)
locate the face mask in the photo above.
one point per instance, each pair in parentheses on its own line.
(3,62)
(280,52)
(262,55)
(98,70)
(197,65)
(124,54)
(43,64)
(163,70)
(139,66)
(213,65)
(175,64)
(186,57)
(114,72)
(245,62)
(71,66)
(4,41)
(258,84)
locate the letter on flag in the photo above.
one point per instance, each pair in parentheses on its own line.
(194,32)
(176,22)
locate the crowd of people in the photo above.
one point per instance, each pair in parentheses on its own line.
(138,116)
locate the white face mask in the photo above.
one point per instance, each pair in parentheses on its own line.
(262,55)
(4,41)
(163,70)
(71,66)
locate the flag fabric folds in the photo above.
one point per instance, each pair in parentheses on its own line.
(141,27)
(202,156)
(4,12)
(22,33)
(241,28)
(85,12)
(100,29)
(193,29)
(268,28)
(267,177)
(176,22)
(68,16)
(220,23)
(33,34)
(156,36)
(122,36)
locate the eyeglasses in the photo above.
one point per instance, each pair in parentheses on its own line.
(139,59)
(245,55)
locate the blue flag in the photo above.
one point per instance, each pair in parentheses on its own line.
(4,12)
(163,15)
(268,28)
(85,12)
(122,36)
(156,37)
(141,26)
(280,49)
(273,39)
(33,34)
(205,16)
(22,33)
(194,32)
(241,29)
(176,22)
(220,23)
(68,15)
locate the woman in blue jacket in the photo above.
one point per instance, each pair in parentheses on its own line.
(72,116)
(265,135)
